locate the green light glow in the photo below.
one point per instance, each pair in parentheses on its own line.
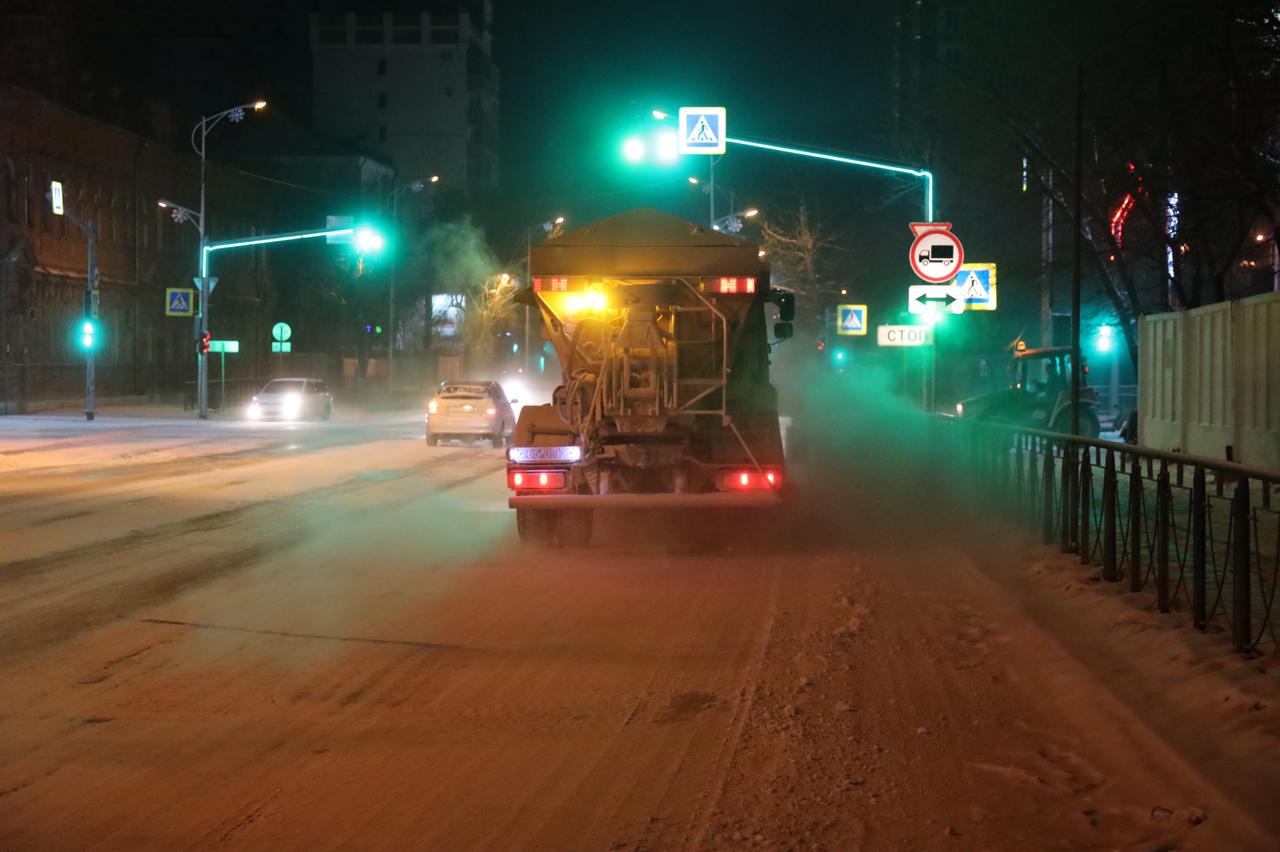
(633,150)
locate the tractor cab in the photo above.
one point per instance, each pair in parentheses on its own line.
(1038,396)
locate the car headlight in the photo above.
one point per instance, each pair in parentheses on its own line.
(255,410)
(292,405)
(959,409)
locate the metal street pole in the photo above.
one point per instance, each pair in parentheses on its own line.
(923,174)
(711,191)
(528,274)
(202,360)
(391,312)
(207,123)
(91,308)
(1077,202)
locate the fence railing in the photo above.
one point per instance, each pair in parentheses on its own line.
(1202,534)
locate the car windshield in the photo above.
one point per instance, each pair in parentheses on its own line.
(285,386)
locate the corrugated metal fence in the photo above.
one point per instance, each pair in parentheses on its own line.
(1209,380)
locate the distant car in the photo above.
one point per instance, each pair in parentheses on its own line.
(292,399)
(470,411)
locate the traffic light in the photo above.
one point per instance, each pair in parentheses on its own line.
(88,335)
(1105,339)
(202,342)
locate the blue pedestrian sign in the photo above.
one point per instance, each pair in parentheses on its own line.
(179,302)
(976,286)
(702,130)
(852,319)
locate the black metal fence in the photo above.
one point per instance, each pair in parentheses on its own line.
(1202,534)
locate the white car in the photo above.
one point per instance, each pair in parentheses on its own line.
(292,399)
(468,411)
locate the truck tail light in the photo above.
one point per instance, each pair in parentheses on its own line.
(750,480)
(735,285)
(536,480)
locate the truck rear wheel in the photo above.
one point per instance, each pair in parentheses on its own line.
(535,527)
(574,527)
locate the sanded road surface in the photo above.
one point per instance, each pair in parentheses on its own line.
(329,638)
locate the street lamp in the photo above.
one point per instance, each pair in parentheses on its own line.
(199,136)
(416,185)
(732,223)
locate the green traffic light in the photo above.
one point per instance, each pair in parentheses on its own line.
(368,241)
(633,149)
(1105,339)
(88,335)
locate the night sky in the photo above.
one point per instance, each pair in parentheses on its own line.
(578,76)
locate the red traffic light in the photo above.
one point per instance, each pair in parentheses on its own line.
(202,343)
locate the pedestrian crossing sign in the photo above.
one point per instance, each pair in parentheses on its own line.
(702,130)
(852,319)
(179,302)
(976,285)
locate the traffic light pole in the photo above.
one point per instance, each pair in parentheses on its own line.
(90,230)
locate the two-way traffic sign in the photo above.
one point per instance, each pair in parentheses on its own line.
(928,298)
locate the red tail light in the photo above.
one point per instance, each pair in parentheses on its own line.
(536,480)
(555,285)
(735,285)
(750,480)
(490,411)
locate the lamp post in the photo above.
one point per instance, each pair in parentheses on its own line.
(199,135)
(415,185)
(552,228)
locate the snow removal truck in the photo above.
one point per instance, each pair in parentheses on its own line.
(665,402)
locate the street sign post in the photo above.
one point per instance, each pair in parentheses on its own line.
(904,335)
(976,283)
(89,324)
(281,332)
(930,298)
(179,302)
(702,130)
(851,319)
(223,348)
(204,285)
(936,254)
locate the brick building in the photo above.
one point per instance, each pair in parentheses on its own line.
(115,178)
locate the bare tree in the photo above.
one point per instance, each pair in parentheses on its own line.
(489,307)
(801,249)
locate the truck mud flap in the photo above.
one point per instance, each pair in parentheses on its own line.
(719,500)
